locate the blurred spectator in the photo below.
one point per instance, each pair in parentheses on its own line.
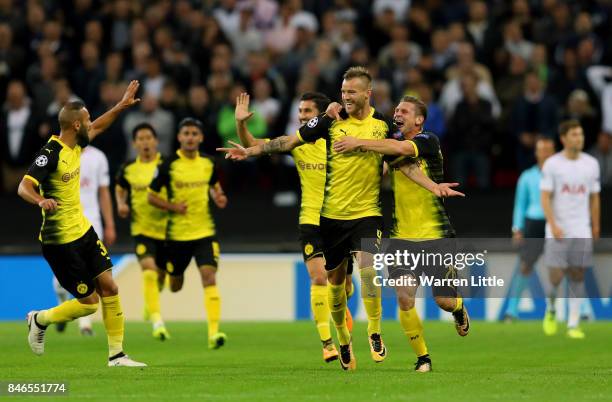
(420,25)
(246,38)
(451,92)
(113,67)
(435,122)
(509,86)
(227,15)
(600,79)
(534,114)
(579,108)
(442,53)
(602,151)
(153,81)
(87,78)
(94,33)
(41,77)
(471,130)
(118,24)
(478,28)
(18,135)
(226,125)
(62,95)
(162,120)
(141,53)
(12,59)
(171,101)
(381,98)
(198,107)
(514,43)
(264,103)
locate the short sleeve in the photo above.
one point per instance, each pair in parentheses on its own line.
(161,177)
(103,177)
(426,144)
(120,179)
(44,164)
(315,128)
(595,186)
(547,182)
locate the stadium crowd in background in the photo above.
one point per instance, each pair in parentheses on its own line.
(495,74)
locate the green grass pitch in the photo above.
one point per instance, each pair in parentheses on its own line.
(282,361)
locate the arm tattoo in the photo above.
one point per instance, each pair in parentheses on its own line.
(279,144)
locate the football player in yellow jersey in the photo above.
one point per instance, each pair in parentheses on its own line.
(419,216)
(70,245)
(191,181)
(148,224)
(351,219)
(310,161)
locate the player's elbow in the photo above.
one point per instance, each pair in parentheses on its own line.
(22,189)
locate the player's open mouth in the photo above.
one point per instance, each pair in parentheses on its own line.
(398,123)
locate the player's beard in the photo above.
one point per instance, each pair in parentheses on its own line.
(82,137)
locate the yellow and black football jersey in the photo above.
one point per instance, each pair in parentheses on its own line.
(189,181)
(146,220)
(352,185)
(418,213)
(310,161)
(56,172)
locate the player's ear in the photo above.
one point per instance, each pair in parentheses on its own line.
(419,120)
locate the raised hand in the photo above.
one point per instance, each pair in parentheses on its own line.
(238,153)
(129,97)
(241,113)
(333,110)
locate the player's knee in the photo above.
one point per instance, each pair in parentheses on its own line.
(319,279)
(109,289)
(405,301)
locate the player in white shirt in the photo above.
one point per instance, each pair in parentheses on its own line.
(570,198)
(97,205)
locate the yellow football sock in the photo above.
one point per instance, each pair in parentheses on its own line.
(372,303)
(320,310)
(336,297)
(114,323)
(413,328)
(459,304)
(151,294)
(67,311)
(212,304)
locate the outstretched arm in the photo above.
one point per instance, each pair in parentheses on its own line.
(442,190)
(284,143)
(103,122)
(242,115)
(386,146)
